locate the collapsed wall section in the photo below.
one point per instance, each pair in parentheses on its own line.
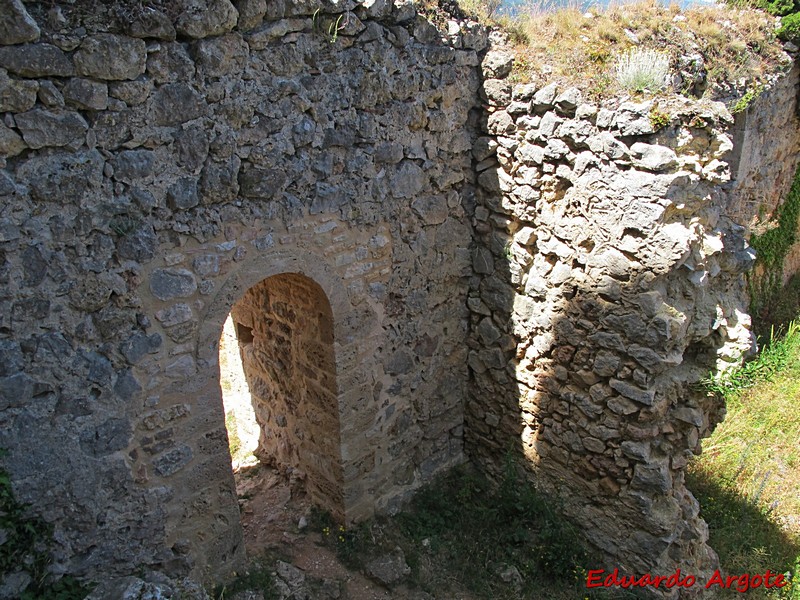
(609,281)
(155,167)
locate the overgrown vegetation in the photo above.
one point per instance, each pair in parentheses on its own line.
(749,473)
(769,300)
(24,544)
(718,52)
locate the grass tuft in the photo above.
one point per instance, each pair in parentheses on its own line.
(641,69)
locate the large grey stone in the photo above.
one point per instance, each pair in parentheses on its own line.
(151,23)
(16,25)
(63,177)
(11,358)
(545,97)
(130,165)
(110,436)
(192,146)
(11,144)
(251,13)
(653,157)
(36,60)
(42,128)
(219,181)
(432,209)
(497,64)
(568,101)
(176,103)
(170,63)
(204,18)
(634,119)
(256,182)
(182,194)
(633,392)
(16,95)
(171,283)
(223,55)
(111,57)
(139,244)
(86,94)
(15,390)
(408,180)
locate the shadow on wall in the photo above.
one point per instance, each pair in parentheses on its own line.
(610,284)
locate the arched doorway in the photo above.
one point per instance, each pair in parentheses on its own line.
(284,330)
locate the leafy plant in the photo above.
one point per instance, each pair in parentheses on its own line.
(658,118)
(789,30)
(258,577)
(642,69)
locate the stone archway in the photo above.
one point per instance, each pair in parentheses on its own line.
(284,328)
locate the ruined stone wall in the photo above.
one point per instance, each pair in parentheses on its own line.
(609,280)
(154,168)
(767,144)
(285,333)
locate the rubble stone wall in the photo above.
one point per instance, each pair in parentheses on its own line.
(609,280)
(155,167)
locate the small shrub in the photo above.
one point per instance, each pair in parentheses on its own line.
(790,28)
(658,118)
(642,69)
(258,577)
(778,8)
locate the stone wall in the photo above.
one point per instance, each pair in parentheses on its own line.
(284,328)
(609,280)
(155,167)
(767,141)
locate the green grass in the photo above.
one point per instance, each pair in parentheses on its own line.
(748,477)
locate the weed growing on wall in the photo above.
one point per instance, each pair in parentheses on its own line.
(743,103)
(23,551)
(765,282)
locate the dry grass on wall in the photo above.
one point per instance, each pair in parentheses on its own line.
(717,52)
